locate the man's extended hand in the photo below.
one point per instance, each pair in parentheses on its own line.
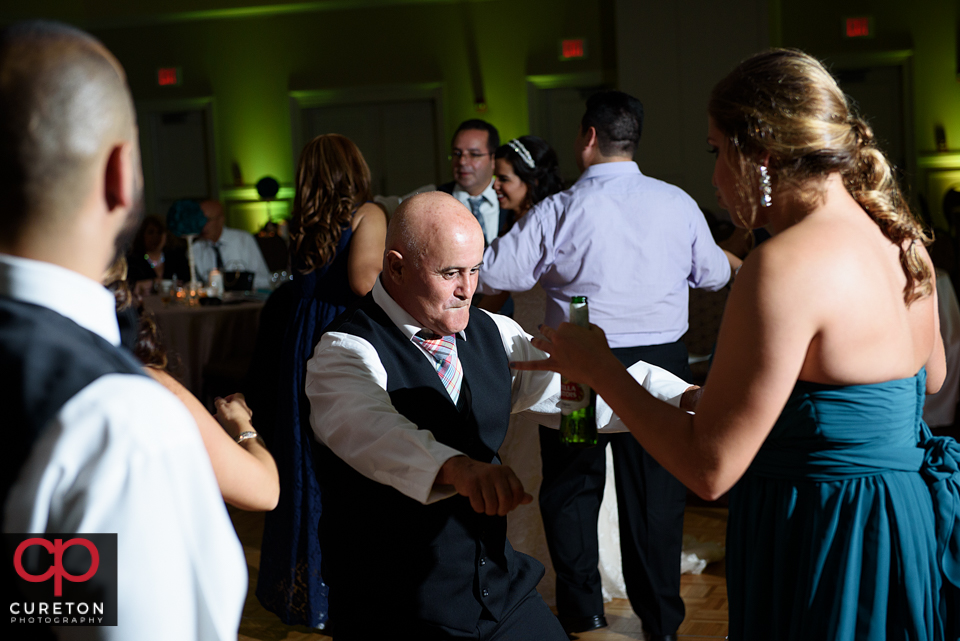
(492,489)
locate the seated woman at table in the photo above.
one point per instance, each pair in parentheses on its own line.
(337,241)
(245,470)
(811,410)
(151,260)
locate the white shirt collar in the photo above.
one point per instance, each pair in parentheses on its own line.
(488,194)
(400,317)
(86,302)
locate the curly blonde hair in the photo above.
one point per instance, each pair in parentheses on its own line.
(783,105)
(333,180)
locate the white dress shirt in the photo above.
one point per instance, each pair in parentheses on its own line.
(489,209)
(125,456)
(239,251)
(351,412)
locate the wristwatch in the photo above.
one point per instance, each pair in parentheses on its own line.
(244,436)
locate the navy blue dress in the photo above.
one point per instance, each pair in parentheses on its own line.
(847,524)
(289,583)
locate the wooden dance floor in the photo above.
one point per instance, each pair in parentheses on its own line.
(705,595)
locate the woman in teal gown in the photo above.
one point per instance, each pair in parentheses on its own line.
(845,511)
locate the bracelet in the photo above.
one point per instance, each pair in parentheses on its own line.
(246,436)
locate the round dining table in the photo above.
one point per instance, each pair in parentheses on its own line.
(201,337)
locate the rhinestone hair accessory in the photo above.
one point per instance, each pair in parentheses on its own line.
(525,156)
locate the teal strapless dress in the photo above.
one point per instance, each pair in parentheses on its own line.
(847,523)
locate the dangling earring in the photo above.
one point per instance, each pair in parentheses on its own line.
(766,196)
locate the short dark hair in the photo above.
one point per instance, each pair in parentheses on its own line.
(618,120)
(63,97)
(543,179)
(493,136)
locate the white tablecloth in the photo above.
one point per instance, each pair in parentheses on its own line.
(521,451)
(199,336)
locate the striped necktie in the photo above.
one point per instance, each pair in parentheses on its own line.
(475,203)
(444,352)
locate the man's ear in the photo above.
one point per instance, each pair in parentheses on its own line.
(590,138)
(394,263)
(118,178)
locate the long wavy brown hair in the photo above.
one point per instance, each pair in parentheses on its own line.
(148,348)
(333,180)
(784,103)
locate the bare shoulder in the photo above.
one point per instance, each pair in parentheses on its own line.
(818,252)
(372,213)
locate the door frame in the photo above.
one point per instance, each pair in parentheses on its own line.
(367,95)
(148,109)
(902,58)
(539,83)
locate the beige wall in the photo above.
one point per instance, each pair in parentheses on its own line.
(249,62)
(249,54)
(670,54)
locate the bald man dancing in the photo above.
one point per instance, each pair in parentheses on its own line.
(411,393)
(92,445)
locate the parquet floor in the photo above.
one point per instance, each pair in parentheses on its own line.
(705,595)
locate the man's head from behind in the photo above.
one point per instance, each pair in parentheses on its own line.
(432,260)
(213,210)
(67,146)
(471,155)
(613,121)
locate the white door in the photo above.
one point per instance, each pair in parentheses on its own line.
(397,139)
(178,158)
(555,116)
(877,92)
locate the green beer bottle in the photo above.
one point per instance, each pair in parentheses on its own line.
(578,403)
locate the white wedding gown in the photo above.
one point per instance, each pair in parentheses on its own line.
(521,451)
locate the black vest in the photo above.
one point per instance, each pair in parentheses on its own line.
(436,566)
(45,360)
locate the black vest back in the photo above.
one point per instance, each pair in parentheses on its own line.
(45,360)
(441,564)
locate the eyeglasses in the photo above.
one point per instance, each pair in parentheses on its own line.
(473,156)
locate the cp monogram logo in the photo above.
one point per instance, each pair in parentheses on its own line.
(56,570)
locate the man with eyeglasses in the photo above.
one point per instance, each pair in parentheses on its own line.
(471,157)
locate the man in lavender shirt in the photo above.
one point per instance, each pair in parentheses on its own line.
(633,245)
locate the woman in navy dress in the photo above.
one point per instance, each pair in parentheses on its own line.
(337,242)
(845,518)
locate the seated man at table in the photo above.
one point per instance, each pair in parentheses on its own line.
(411,393)
(228,249)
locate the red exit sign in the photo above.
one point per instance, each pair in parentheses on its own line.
(858,27)
(168,76)
(573,49)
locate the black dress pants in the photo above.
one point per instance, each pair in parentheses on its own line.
(650,501)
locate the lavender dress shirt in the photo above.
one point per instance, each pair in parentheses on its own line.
(632,244)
